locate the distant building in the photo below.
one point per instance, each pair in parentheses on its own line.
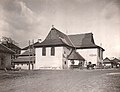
(5,57)
(56,50)
(13,47)
(111,62)
(25,60)
(107,63)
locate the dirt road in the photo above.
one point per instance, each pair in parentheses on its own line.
(60,81)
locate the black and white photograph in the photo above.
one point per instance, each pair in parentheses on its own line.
(59,45)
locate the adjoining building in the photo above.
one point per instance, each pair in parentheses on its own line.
(55,52)
(85,45)
(5,57)
(75,60)
(26,60)
(13,47)
(8,52)
(107,63)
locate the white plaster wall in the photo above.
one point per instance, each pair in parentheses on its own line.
(22,66)
(48,61)
(107,64)
(90,55)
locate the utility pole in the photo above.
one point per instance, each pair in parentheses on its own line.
(29,55)
(32,54)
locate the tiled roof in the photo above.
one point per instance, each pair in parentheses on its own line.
(116,60)
(75,56)
(113,60)
(5,49)
(31,46)
(24,59)
(27,53)
(106,60)
(11,46)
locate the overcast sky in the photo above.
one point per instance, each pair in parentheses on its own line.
(24,20)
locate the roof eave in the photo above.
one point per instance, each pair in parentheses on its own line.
(90,47)
(57,45)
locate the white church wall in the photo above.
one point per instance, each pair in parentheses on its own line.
(90,55)
(48,61)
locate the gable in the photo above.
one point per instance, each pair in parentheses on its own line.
(106,60)
(55,38)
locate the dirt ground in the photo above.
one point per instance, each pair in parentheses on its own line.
(60,81)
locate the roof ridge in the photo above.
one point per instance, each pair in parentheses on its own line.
(63,38)
(80,34)
(57,30)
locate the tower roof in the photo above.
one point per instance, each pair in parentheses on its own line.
(55,38)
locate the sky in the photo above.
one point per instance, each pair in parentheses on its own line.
(25,20)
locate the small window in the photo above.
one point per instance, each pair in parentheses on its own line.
(52,51)
(99,52)
(65,62)
(44,51)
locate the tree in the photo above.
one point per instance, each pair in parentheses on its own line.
(10,43)
(6,40)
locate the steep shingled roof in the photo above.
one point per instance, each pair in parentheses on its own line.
(75,56)
(55,38)
(83,41)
